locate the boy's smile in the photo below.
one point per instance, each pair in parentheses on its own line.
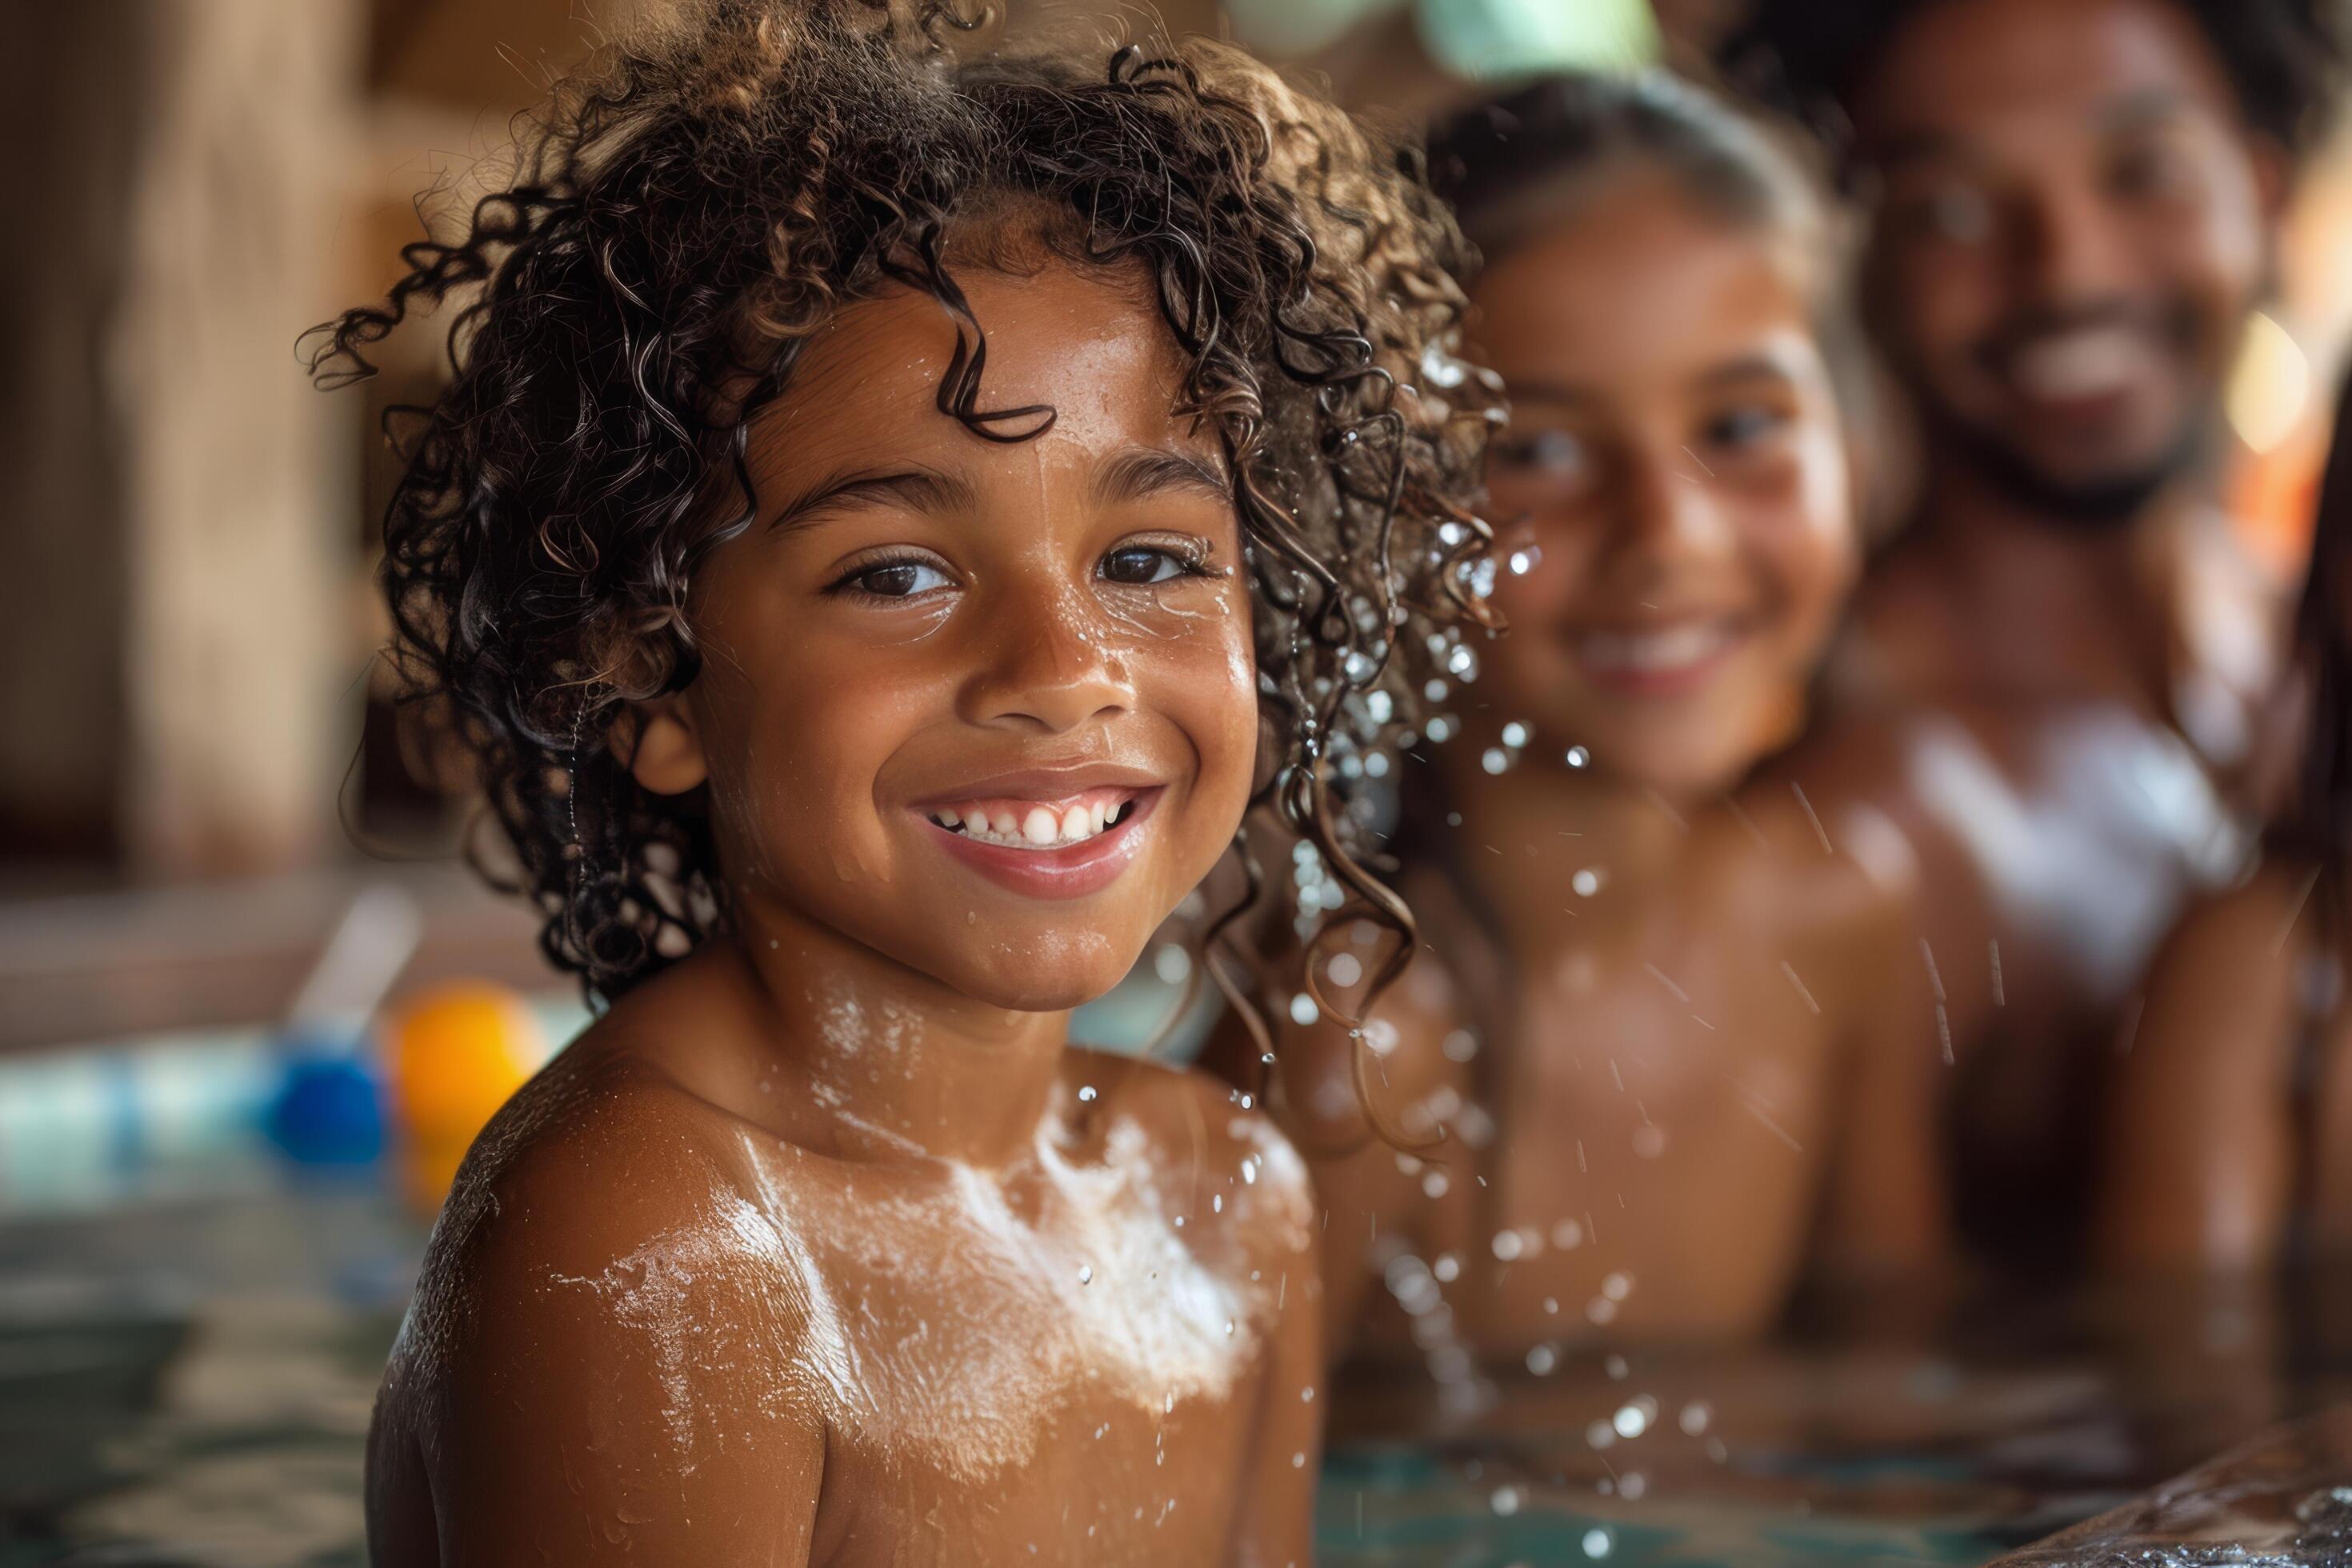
(986,708)
(1051,835)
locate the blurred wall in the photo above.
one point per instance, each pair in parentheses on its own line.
(79,123)
(164,472)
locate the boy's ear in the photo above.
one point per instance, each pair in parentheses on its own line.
(656,740)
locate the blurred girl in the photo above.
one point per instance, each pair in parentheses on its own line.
(2228,1145)
(1678,1029)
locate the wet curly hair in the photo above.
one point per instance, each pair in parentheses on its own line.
(2284,58)
(684,214)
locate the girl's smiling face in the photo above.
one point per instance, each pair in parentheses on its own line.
(988,709)
(1671,498)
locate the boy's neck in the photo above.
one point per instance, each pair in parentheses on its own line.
(887,1062)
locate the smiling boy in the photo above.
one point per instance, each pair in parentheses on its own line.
(854,715)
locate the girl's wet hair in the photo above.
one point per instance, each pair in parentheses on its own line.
(1517,165)
(688,212)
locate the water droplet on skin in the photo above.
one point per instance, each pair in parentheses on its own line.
(1631,1421)
(1298,1460)
(1433,1185)
(1345,969)
(1496,760)
(1448,1269)
(1508,1244)
(1551,1305)
(1306,1394)
(1586,882)
(1515,734)
(1085,1273)
(1229,1327)
(1578,756)
(1086,1093)
(1216,1203)
(1303,1010)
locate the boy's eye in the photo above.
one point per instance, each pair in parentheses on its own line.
(1139,564)
(2147,169)
(897,579)
(1954,212)
(1736,428)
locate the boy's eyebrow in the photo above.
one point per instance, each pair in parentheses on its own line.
(1762,364)
(917,489)
(1140,472)
(2147,106)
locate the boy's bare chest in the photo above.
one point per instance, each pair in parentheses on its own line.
(1000,1369)
(1104,1479)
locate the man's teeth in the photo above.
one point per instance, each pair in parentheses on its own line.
(1674,648)
(2089,362)
(1037,827)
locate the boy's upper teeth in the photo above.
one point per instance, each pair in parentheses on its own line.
(2083,361)
(1035,824)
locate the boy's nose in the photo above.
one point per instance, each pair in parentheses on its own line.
(1052,667)
(2067,249)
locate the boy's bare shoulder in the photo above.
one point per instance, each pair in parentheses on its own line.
(1220,1162)
(607,1327)
(602,1205)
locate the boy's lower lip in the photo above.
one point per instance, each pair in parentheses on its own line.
(1072,871)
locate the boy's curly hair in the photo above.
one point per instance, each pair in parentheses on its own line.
(686,212)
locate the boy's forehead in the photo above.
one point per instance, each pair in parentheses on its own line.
(1090,349)
(1981,73)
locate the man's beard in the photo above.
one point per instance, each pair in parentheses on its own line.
(2101,504)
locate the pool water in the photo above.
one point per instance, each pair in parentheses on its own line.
(189,1383)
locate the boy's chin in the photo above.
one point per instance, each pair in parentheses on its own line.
(1042,977)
